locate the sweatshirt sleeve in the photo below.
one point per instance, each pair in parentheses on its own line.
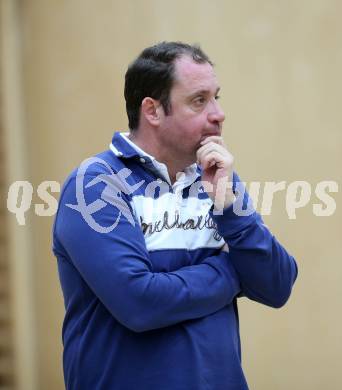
(116,266)
(265,269)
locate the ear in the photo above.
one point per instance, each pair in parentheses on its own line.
(152,110)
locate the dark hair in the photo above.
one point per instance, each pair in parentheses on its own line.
(152,75)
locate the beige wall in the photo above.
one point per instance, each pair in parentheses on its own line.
(279,65)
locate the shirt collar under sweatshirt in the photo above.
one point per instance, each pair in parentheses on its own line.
(123,147)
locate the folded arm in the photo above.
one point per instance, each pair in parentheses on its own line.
(266,270)
(117,268)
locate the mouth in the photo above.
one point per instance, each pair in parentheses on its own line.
(211,134)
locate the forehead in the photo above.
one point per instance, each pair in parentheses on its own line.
(191,76)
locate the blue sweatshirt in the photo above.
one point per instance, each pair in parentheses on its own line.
(150,296)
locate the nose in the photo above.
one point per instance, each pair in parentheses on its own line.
(216,114)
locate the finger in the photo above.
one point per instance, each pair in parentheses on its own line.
(211,146)
(208,148)
(210,159)
(225,160)
(213,138)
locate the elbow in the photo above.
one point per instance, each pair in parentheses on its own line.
(275,297)
(282,294)
(138,326)
(279,301)
(138,322)
(133,323)
(283,291)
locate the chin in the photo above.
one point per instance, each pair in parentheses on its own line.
(193,157)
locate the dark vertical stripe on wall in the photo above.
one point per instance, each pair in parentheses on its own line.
(6,340)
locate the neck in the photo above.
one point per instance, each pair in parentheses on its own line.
(151,146)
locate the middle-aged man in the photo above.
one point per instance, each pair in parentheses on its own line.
(154,246)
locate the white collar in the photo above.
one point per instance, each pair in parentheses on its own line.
(184,179)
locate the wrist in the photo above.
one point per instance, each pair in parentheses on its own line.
(224,197)
(229,198)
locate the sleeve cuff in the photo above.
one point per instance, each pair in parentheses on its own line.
(231,220)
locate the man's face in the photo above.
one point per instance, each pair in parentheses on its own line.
(195,112)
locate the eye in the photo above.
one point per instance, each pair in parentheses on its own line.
(217,97)
(199,100)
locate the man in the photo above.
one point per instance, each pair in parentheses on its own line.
(152,250)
